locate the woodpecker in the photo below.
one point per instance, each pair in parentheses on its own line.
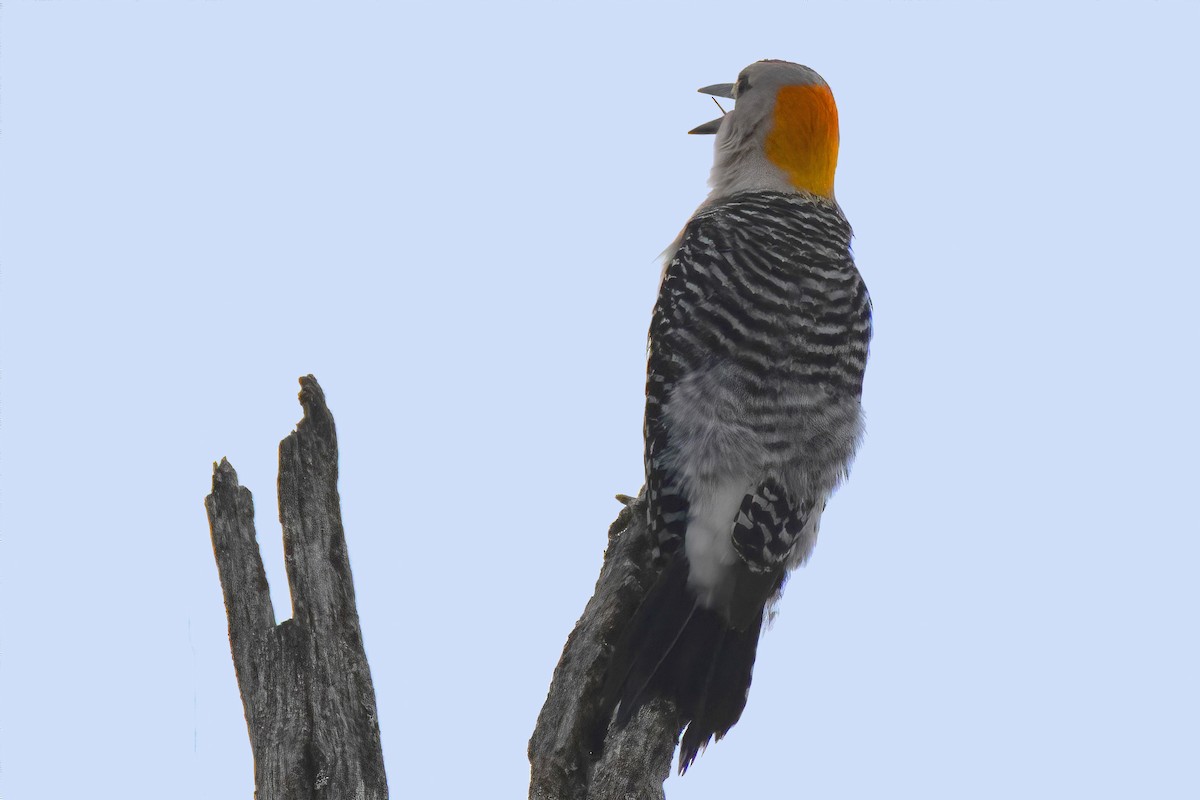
(757,349)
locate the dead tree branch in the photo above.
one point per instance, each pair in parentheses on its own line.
(567,763)
(305,683)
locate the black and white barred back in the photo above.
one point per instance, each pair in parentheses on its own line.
(762,310)
(757,350)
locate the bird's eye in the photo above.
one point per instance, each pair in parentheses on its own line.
(743,85)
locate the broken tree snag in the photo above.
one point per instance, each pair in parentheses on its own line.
(574,755)
(305,683)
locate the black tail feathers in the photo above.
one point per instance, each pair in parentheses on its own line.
(674,648)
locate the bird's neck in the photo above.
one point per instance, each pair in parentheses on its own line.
(795,149)
(803,139)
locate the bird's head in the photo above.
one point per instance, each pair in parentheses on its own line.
(782,134)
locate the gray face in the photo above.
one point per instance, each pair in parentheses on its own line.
(756,88)
(758,84)
(774,74)
(739,162)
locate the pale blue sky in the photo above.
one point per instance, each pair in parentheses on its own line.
(451,216)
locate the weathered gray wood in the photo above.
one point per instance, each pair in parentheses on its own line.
(633,762)
(305,683)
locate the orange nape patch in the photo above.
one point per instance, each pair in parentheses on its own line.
(803,142)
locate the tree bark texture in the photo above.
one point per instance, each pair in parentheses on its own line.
(631,763)
(305,683)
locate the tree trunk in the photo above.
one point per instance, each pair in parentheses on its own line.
(632,763)
(305,683)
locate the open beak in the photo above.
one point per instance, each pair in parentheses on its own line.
(716,90)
